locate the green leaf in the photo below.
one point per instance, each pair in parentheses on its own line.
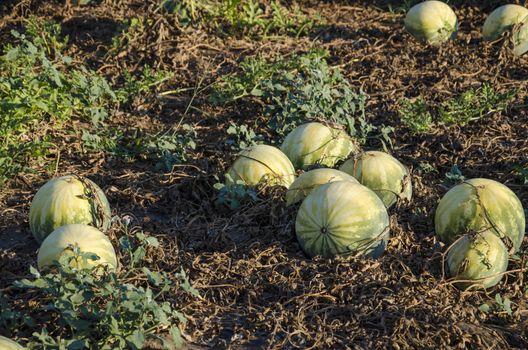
(176,336)
(484,308)
(137,339)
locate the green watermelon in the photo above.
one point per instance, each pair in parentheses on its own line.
(342,218)
(261,163)
(479,258)
(68,200)
(480,204)
(317,144)
(305,183)
(383,174)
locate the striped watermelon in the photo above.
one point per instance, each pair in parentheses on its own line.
(68,200)
(317,144)
(261,163)
(383,174)
(305,183)
(479,204)
(480,258)
(87,238)
(341,218)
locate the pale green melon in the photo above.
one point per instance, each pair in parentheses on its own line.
(431,22)
(479,204)
(317,144)
(68,200)
(342,218)
(305,183)
(481,258)
(383,174)
(87,238)
(502,19)
(261,163)
(8,344)
(520,38)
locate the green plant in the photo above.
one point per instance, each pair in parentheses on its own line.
(415,115)
(400,7)
(40,89)
(164,149)
(243,17)
(474,104)
(100,309)
(234,195)
(522,173)
(253,71)
(129,31)
(300,89)
(426,168)
(145,81)
(500,305)
(241,137)
(454,176)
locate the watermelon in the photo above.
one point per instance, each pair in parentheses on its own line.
(502,19)
(431,22)
(261,163)
(8,344)
(479,258)
(65,200)
(87,238)
(342,218)
(383,174)
(520,38)
(317,144)
(479,204)
(305,183)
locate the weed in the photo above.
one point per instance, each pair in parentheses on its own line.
(454,176)
(253,72)
(474,104)
(97,308)
(234,196)
(129,31)
(243,17)
(471,105)
(501,305)
(164,149)
(301,89)
(241,136)
(415,115)
(145,81)
(40,89)
(522,173)
(402,6)
(426,168)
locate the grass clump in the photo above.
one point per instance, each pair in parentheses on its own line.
(470,106)
(251,18)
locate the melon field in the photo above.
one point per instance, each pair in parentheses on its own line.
(254,174)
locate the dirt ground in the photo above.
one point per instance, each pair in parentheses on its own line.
(257,288)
